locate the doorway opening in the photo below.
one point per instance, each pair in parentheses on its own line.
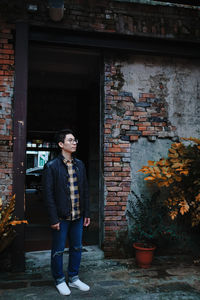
(63,92)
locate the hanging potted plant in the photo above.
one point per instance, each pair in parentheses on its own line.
(149,226)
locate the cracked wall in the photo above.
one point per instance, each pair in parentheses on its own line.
(149,102)
(174,81)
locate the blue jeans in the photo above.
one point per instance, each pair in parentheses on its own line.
(73,231)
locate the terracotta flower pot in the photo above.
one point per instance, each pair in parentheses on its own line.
(144,254)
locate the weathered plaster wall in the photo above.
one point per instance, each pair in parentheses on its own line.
(143,96)
(174,81)
(141,152)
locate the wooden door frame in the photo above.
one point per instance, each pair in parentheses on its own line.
(101,41)
(19,139)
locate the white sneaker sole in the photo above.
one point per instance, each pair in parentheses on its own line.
(77,287)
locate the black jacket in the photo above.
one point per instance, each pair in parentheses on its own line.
(57,192)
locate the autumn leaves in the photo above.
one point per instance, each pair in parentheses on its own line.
(179,175)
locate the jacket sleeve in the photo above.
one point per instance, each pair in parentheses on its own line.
(49,195)
(86,195)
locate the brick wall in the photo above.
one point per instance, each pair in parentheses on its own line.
(6,97)
(107,16)
(132,19)
(125,121)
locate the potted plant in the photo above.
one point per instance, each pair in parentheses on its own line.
(148,227)
(178,177)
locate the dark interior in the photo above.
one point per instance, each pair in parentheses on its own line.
(63,92)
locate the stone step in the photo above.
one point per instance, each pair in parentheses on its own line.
(41,259)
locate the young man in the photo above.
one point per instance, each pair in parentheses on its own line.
(67,200)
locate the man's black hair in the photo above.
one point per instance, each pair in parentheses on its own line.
(60,135)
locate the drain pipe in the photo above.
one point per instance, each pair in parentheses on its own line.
(56,10)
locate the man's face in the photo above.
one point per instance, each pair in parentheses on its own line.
(69,145)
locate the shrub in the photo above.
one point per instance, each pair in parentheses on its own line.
(150,220)
(179,176)
(7,221)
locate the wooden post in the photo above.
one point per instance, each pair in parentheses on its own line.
(19,139)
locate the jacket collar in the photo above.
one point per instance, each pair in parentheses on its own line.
(61,157)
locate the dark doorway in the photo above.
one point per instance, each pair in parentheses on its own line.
(63,92)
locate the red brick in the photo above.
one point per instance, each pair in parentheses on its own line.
(142,128)
(112,228)
(119,194)
(142,99)
(134,137)
(148,133)
(122,174)
(111,183)
(107,125)
(7,46)
(128,113)
(107,131)
(111,213)
(158,128)
(148,95)
(126,178)
(143,124)
(124,145)
(3,41)
(6,61)
(116,149)
(112,207)
(4,56)
(117,98)
(111,238)
(122,223)
(122,203)
(113,178)
(125,183)
(114,188)
(140,113)
(113,169)
(110,199)
(126,169)
(120,213)
(126,189)
(113,218)
(5,137)
(111,203)
(114,92)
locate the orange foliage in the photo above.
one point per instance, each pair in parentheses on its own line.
(7,220)
(180,174)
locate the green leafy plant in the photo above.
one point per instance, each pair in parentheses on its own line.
(150,220)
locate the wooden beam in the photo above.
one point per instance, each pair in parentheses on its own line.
(117,42)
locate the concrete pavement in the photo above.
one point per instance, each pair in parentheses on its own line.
(174,277)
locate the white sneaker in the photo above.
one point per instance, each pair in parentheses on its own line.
(63,289)
(79,285)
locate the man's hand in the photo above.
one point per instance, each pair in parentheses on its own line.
(56,226)
(86,222)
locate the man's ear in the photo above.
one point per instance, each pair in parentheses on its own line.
(60,144)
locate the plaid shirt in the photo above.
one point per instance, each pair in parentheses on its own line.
(74,193)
